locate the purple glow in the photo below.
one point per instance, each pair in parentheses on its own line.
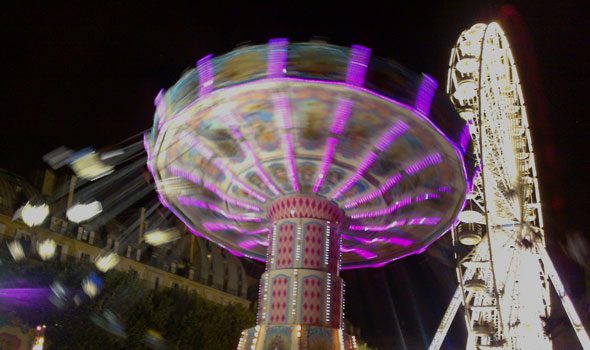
(385,140)
(465,137)
(385,98)
(23,297)
(387,185)
(206,75)
(357,66)
(220,226)
(251,243)
(193,202)
(404,242)
(277,57)
(331,144)
(283,109)
(425,94)
(160,103)
(360,171)
(213,188)
(343,109)
(247,148)
(424,163)
(218,162)
(341,115)
(361,252)
(395,131)
(444,189)
(391,209)
(397,223)
(412,169)
(384,211)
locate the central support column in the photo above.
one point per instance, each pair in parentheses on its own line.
(301,293)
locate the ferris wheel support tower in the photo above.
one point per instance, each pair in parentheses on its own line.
(503,268)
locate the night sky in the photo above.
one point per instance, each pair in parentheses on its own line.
(87,76)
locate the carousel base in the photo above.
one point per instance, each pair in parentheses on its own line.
(296,337)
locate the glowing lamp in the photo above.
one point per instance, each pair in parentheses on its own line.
(34,215)
(46,249)
(107,262)
(159,237)
(83,212)
(16,250)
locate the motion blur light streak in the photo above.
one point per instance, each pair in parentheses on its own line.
(46,249)
(159,237)
(84,212)
(16,250)
(34,215)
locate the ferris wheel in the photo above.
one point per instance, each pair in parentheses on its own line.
(503,268)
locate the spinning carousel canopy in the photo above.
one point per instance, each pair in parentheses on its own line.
(265,122)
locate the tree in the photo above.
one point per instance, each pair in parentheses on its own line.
(185,320)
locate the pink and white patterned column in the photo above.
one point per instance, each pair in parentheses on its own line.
(302,285)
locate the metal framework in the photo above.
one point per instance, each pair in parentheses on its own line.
(503,268)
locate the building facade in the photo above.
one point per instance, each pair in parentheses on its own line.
(190,263)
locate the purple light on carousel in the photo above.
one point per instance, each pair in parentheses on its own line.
(427,162)
(465,137)
(390,135)
(283,110)
(277,57)
(357,66)
(224,168)
(342,113)
(254,134)
(194,178)
(220,226)
(247,149)
(206,75)
(362,252)
(425,94)
(426,221)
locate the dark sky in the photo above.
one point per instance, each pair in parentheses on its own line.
(87,76)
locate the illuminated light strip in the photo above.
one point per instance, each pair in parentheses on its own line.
(249,244)
(395,131)
(247,148)
(357,66)
(424,163)
(331,144)
(384,211)
(343,109)
(210,155)
(220,226)
(277,57)
(361,252)
(294,293)
(397,223)
(398,204)
(206,75)
(213,188)
(425,95)
(283,110)
(395,179)
(404,242)
(193,202)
